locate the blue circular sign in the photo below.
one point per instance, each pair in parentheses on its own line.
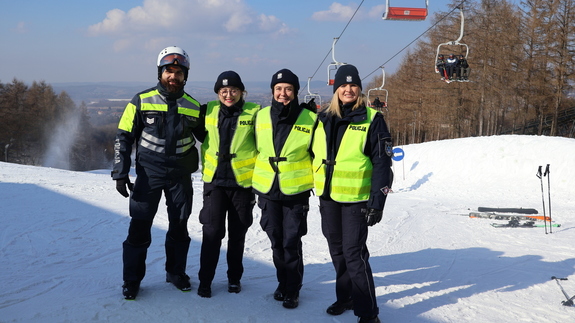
(397,154)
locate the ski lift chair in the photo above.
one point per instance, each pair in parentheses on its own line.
(464,48)
(309,96)
(405,13)
(332,68)
(369,101)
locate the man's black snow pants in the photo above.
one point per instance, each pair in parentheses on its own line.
(144,202)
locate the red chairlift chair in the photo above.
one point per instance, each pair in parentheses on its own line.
(404,13)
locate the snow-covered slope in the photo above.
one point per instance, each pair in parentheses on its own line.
(61,236)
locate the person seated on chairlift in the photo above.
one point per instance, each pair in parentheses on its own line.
(450,66)
(378,104)
(440,66)
(462,69)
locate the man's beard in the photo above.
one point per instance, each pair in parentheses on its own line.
(173,88)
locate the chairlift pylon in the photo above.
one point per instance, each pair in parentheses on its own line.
(405,13)
(384,103)
(309,96)
(331,68)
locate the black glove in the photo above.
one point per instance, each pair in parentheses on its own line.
(121,186)
(373,216)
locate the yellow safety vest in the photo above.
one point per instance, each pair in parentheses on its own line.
(242,149)
(293,166)
(351,178)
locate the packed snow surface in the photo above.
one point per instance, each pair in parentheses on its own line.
(62,232)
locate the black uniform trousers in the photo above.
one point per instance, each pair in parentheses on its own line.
(238,203)
(285,223)
(144,202)
(345,228)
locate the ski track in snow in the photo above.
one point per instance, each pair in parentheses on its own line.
(62,234)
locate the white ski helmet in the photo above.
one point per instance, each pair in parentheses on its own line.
(173,55)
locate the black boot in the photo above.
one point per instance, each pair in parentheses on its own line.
(181,281)
(373,319)
(130,290)
(338,307)
(205,291)
(279,294)
(234,287)
(291,300)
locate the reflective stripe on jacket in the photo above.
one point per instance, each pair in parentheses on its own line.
(293,166)
(242,152)
(153,101)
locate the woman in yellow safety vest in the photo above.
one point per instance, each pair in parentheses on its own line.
(283,180)
(352,174)
(228,159)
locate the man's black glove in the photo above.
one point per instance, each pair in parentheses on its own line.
(373,216)
(121,185)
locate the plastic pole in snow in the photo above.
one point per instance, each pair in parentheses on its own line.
(540,176)
(403,167)
(569,301)
(549,194)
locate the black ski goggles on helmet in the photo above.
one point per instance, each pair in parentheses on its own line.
(175,59)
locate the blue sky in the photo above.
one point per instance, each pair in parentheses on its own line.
(109,40)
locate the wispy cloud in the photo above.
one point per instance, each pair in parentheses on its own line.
(336,12)
(339,12)
(194,18)
(21,28)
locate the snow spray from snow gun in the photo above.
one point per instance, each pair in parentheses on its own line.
(540,175)
(569,301)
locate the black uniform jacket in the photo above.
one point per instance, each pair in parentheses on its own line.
(170,126)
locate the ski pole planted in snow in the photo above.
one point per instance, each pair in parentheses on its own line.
(540,176)
(549,194)
(569,301)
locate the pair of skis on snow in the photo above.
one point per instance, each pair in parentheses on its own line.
(540,175)
(528,215)
(516,224)
(514,216)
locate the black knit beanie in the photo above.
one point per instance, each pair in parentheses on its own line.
(346,74)
(229,78)
(285,76)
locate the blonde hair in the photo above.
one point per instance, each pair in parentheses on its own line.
(334,107)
